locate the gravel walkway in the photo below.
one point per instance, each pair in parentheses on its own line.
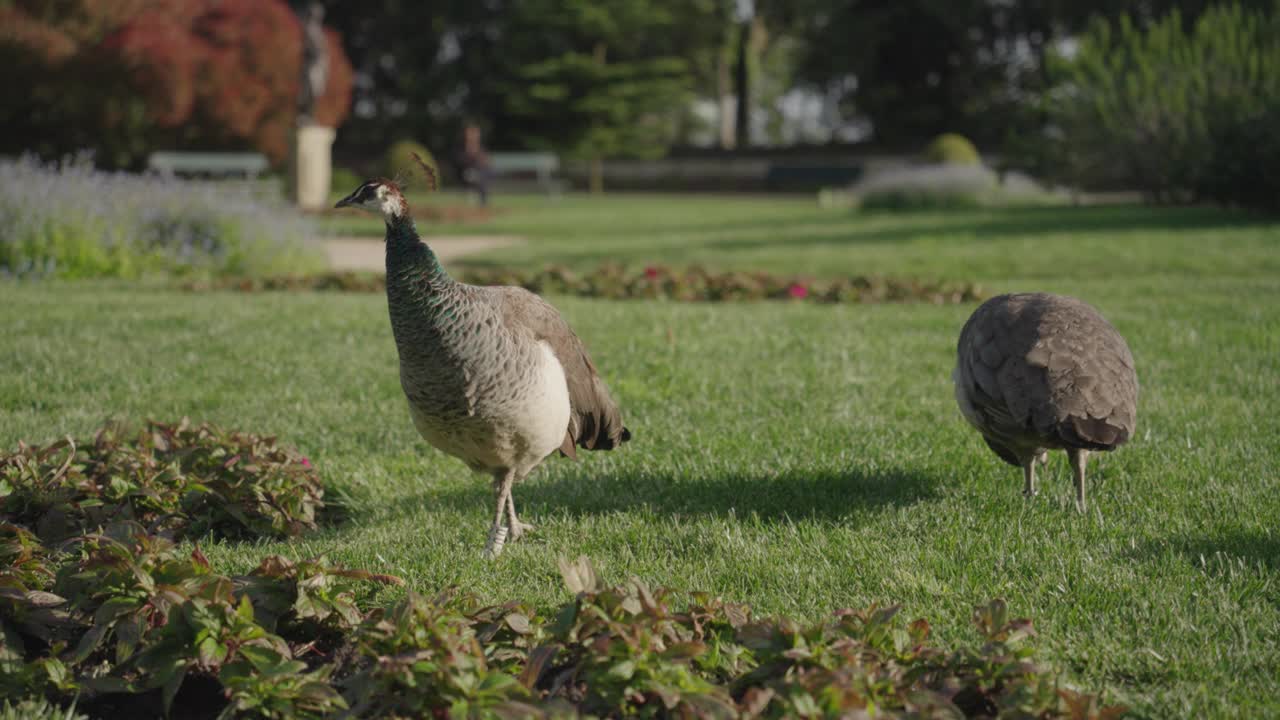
(365,253)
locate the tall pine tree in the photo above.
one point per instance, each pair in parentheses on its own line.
(610,83)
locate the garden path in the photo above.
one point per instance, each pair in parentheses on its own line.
(364,253)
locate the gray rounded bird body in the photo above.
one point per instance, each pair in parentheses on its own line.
(494,376)
(1038,372)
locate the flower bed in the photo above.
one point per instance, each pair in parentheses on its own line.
(615,282)
(72,221)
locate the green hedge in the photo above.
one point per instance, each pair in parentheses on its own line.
(1182,113)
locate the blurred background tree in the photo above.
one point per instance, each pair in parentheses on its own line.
(609,82)
(125,77)
(587,79)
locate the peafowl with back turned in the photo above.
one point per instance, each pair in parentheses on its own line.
(1038,372)
(494,376)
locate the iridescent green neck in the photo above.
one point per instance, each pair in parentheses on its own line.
(408,258)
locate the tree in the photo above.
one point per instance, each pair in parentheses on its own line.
(129,76)
(1185,111)
(610,83)
(918,68)
(425,69)
(478,61)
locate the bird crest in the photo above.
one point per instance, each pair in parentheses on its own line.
(403,180)
(428,172)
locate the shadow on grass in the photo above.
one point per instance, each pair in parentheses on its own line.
(850,228)
(1254,547)
(788,495)
(999,223)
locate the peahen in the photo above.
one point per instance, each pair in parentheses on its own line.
(494,376)
(1037,372)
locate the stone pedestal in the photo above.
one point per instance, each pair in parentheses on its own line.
(312,166)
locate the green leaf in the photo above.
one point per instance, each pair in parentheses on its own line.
(623,670)
(170,690)
(244,609)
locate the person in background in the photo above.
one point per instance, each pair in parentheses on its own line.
(473,163)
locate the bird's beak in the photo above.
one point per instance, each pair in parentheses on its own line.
(346,201)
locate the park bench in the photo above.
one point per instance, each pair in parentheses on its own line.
(209,164)
(511,169)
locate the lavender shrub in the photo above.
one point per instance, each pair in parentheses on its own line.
(69,220)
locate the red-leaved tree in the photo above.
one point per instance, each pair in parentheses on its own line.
(125,77)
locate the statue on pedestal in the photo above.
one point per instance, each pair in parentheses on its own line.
(311,166)
(315,62)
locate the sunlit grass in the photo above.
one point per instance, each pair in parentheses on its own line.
(800,458)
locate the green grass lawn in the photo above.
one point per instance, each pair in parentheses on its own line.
(801,458)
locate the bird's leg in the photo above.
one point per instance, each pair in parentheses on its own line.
(517,528)
(1079,458)
(498,532)
(1029,478)
(1043,457)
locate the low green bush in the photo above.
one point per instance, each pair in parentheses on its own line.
(400,165)
(952,149)
(189,480)
(71,221)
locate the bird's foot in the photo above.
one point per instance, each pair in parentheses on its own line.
(1030,494)
(518,529)
(497,541)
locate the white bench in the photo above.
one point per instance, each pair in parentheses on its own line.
(537,167)
(213,164)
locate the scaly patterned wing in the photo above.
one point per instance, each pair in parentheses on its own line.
(595,422)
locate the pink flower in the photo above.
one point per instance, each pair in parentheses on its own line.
(798,291)
(305,463)
(651,272)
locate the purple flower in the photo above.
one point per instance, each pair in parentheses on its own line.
(798,291)
(305,463)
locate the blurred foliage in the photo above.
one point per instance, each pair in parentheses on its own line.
(71,221)
(531,73)
(923,67)
(602,81)
(125,77)
(952,149)
(1182,111)
(586,78)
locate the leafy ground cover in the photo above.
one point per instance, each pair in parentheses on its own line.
(801,458)
(103,609)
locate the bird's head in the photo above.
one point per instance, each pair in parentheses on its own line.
(383,197)
(378,196)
